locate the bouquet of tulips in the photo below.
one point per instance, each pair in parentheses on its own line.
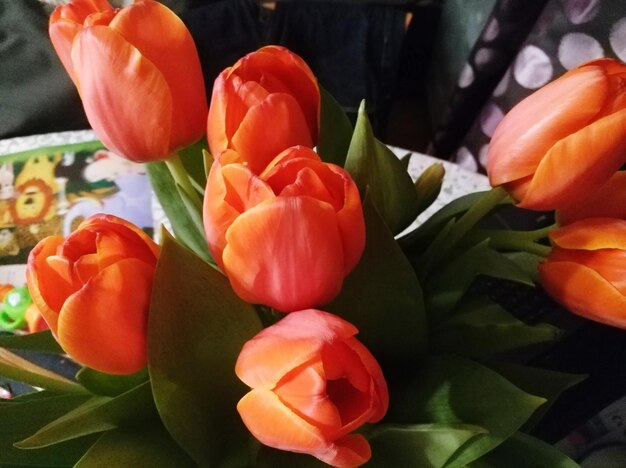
(284,322)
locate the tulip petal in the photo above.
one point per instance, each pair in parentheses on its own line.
(278,122)
(230,190)
(294,340)
(608,263)
(553,187)
(163,39)
(62,33)
(275,425)
(303,390)
(584,292)
(103,325)
(286,253)
(47,288)
(142,244)
(381,392)
(349,451)
(529,130)
(608,202)
(290,70)
(592,234)
(111,73)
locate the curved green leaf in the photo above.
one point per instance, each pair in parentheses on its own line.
(382,297)
(149,446)
(524,451)
(335,130)
(377,170)
(98,414)
(418,445)
(42,342)
(100,383)
(196,328)
(22,417)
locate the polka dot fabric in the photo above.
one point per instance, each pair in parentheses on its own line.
(564,34)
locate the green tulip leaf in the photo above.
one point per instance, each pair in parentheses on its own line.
(524,451)
(446,286)
(428,186)
(196,329)
(149,446)
(377,170)
(42,342)
(382,297)
(193,160)
(485,341)
(104,384)
(480,328)
(23,416)
(335,130)
(454,390)
(17,368)
(184,226)
(418,445)
(545,383)
(98,414)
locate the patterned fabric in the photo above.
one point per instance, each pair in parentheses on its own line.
(566,33)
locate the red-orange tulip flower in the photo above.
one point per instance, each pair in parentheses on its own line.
(287,237)
(609,201)
(93,289)
(564,141)
(313,383)
(138,73)
(586,269)
(265,103)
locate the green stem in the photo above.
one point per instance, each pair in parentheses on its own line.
(181,176)
(507,240)
(472,216)
(525,241)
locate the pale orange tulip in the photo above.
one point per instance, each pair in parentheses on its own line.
(313,383)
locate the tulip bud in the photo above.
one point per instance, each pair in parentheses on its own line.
(138,74)
(268,96)
(585,270)
(563,142)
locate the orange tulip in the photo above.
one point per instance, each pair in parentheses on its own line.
(35,320)
(312,384)
(563,142)
(265,103)
(607,202)
(138,73)
(585,270)
(287,237)
(93,289)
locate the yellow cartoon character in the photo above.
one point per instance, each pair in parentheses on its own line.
(40,167)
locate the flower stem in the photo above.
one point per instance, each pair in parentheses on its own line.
(524,241)
(181,176)
(447,240)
